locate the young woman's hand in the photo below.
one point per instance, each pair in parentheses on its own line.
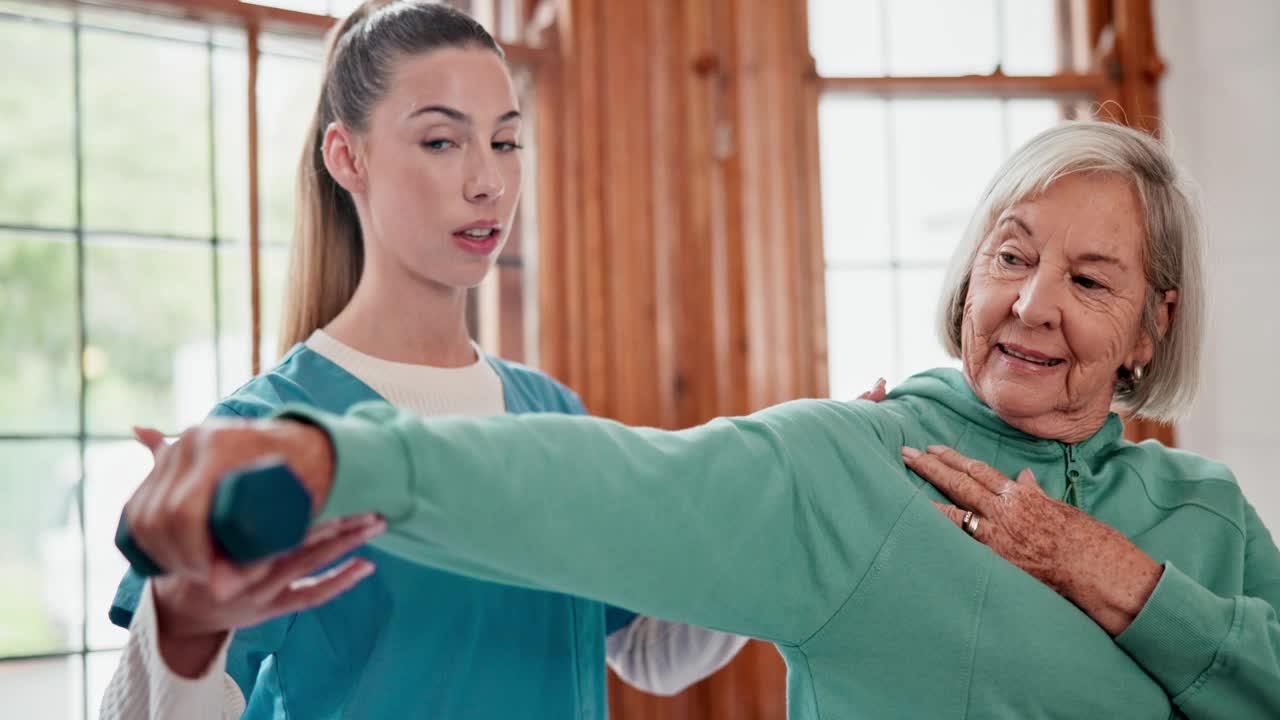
(205,595)
(168,515)
(876,393)
(194,615)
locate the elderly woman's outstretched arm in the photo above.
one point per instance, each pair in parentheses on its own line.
(742,524)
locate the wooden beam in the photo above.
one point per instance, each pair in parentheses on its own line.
(1066,85)
(809,183)
(1140,65)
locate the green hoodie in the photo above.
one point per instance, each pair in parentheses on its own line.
(800,525)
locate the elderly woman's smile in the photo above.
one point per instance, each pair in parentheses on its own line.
(1023,359)
(1054,312)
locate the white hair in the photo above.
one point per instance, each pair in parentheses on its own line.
(1172,255)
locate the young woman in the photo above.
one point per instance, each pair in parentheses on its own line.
(407,189)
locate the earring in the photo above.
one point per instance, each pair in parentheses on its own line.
(1137,373)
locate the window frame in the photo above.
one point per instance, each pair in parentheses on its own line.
(1109,68)
(503,331)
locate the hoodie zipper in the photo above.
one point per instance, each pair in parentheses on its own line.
(1072,493)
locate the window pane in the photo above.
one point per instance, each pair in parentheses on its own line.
(43,689)
(273,265)
(231,138)
(233,298)
(41,598)
(101,666)
(918,292)
(288,89)
(1026,118)
(141,22)
(855,201)
(1030,31)
(343,8)
(36,8)
(39,329)
(859,331)
(236,340)
(37,147)
(113,469)
(942,37)
(945,153)
(309,49)
(845,37)
(150,355)
(146,135)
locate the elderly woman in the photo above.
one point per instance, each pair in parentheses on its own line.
(1107,580)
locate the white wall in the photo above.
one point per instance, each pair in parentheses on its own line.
(1221,109)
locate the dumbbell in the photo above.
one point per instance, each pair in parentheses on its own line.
(258,510)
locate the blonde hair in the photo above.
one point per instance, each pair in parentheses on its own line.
(327,254)
(1172,252)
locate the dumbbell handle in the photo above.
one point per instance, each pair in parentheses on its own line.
(257,511)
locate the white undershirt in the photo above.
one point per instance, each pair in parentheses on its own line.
(657,656)
(473,389)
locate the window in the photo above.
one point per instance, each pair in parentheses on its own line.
(921,101)
(125,288)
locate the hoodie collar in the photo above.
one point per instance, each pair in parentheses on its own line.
(948,387)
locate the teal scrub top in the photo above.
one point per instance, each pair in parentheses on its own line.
(410,641)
